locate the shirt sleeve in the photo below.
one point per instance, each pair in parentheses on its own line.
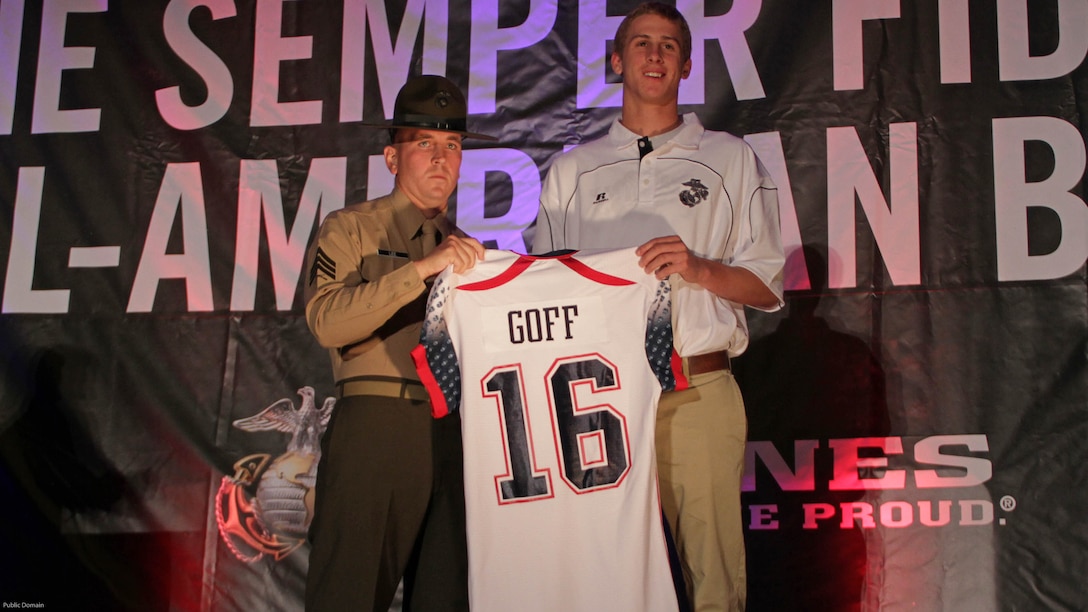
(343,305)
(759,249)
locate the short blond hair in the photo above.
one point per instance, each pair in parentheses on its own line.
(662,10)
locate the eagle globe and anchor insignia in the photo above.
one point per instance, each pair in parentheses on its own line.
(696,192)
(265,508)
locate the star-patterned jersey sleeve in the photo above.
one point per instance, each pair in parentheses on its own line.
(663,358)
(435,357)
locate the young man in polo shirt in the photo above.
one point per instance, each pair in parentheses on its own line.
(705,214)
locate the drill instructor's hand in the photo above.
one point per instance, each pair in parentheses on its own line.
(460,252)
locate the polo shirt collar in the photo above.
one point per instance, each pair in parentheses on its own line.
(687,138)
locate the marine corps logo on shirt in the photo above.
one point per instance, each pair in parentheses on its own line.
(697,192)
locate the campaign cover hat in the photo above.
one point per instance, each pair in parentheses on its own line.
(431,102)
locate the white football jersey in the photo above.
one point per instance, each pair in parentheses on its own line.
(556,364)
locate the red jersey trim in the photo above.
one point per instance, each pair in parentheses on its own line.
(439,408)
(677,365)
(524,261)
(593,275)
(520,265)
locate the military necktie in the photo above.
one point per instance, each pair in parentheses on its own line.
(430,238)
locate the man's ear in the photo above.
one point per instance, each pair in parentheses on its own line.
(617,63)
(686,70)
(391,158)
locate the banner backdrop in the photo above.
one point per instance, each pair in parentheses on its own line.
(918,411)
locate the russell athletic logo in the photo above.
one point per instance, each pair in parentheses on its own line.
(265,508)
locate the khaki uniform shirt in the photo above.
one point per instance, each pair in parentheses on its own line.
(363,301)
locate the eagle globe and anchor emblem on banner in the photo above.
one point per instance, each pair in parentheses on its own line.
(265,508)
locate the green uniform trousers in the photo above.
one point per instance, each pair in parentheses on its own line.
(389,504)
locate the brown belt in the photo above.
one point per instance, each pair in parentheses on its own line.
(404,389)
(707,362)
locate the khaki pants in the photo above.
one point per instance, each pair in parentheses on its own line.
(701,433)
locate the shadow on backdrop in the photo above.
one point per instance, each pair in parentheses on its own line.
(50,469)
(807,381)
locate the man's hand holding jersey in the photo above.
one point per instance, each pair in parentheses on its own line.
(460,252)
(668,255)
